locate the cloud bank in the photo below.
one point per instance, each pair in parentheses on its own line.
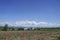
(31,24)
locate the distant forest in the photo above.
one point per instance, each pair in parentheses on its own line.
(7,28)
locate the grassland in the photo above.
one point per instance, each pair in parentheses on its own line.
(30,35)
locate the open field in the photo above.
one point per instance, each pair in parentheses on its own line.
(29,35)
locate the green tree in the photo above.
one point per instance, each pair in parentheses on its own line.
(29,29)
(20,29)
(13,29)
(37,29)
(6,28)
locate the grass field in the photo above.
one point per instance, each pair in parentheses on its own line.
(30,35)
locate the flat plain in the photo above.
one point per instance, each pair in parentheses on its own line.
(29,35)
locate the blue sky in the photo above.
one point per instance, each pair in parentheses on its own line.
(30,10)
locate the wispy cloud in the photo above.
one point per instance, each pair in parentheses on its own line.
(31,23)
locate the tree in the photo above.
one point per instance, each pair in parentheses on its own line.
(20,29)
(29,29)
(6,28)
(13,29)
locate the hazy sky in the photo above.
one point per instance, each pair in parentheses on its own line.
(30,10)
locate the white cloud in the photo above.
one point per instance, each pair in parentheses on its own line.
(3,23)
(34,23)
(31,23)
(9,23)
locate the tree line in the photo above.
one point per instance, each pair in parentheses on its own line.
(7,28)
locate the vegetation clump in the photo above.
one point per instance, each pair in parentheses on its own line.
(58,38)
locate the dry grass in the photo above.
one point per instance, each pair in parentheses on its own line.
(29,35)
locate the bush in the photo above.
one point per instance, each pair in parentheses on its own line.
(58,38)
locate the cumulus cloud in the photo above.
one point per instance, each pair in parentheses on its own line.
(3,23)
(31,23)
(9,23)
(36,24)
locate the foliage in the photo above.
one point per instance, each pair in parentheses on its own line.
(29,29)
(20,29)
(37,29)
(5,28)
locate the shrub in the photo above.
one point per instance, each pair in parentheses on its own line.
(58,38)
